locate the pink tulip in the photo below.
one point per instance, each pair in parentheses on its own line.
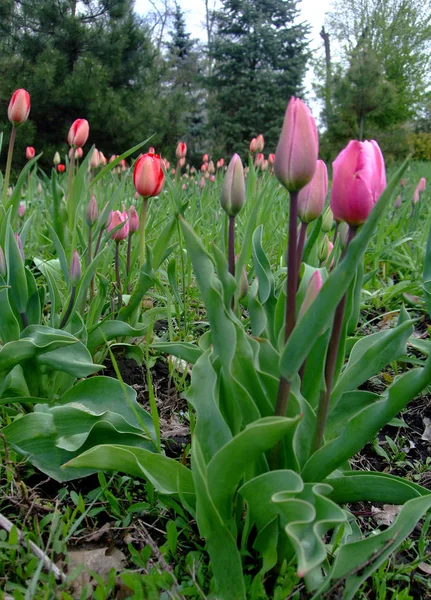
(212,178)
(78,133)
(92,212)
(220,163)
(151,150)
(358,181)
(21,210)
(416,196)
(182,161)
(398,202)
(204,167)
(181,150)
(148,175)
(311,198)
(202,183)
(260,143)
(116,219)
(297,149)
(205,158)
(258,162)
(313,288)
(30,152)
(422,184)
(103,159)
(253,143)
(19,107)
(271,159)
(79,153)
(95,159)
(133,220)
(211,168)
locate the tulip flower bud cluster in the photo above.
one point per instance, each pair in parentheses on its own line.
(257,144)
(233,191)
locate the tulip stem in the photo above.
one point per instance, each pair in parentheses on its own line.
(66,316)
(142,232)
(292,283)
(129,250)
(231,245)
(89,245)
(117,275)
(70,216)
(8,164)
(331,360)
(301,242)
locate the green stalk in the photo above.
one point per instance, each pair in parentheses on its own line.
(231,246)
(331,359)
(66,316)
(117,275)
(301,242)
(8,164)
(142,232)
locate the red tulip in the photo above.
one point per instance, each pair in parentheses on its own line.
(30,152)
(260,143)
(271,158)
(19,107)
(61,168)
(358,180)
(78,133)
(116,219)
(311,198)
(297,149)
(148,175)
(181,150)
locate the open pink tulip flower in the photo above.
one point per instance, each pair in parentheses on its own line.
(311,198)
(298,147)
(359,178)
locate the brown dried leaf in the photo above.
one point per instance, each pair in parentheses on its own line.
(425,568)
(99,560)
(387,515)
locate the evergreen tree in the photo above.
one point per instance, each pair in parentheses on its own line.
(259,59)
(184,92)
(93,59)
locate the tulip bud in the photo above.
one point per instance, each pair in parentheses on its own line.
(103,159)
(211,168)
(123,164)
(151,150)
(184,186)
(133,220)
(61,168)
(148,175)
(311,198)
(39,188)
(92,213)
(19,244)
(204,167)
(260,143)
(95,159)
(182,162)
(233,191)
(212,178)
(328,220)
(78,133)
(398,202)
(202,183)
(21,210)
(116,219)
(30,152)
(3,270)
(79,153)
(220,163)
(259,160)
(422,184)
(205,158)
(358,180)
(57,159)
(322,252)
(181,150)
(313,288)
(415,197)
(75,269)
(271,158)
(19,107)
(296,154)
(253,145)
